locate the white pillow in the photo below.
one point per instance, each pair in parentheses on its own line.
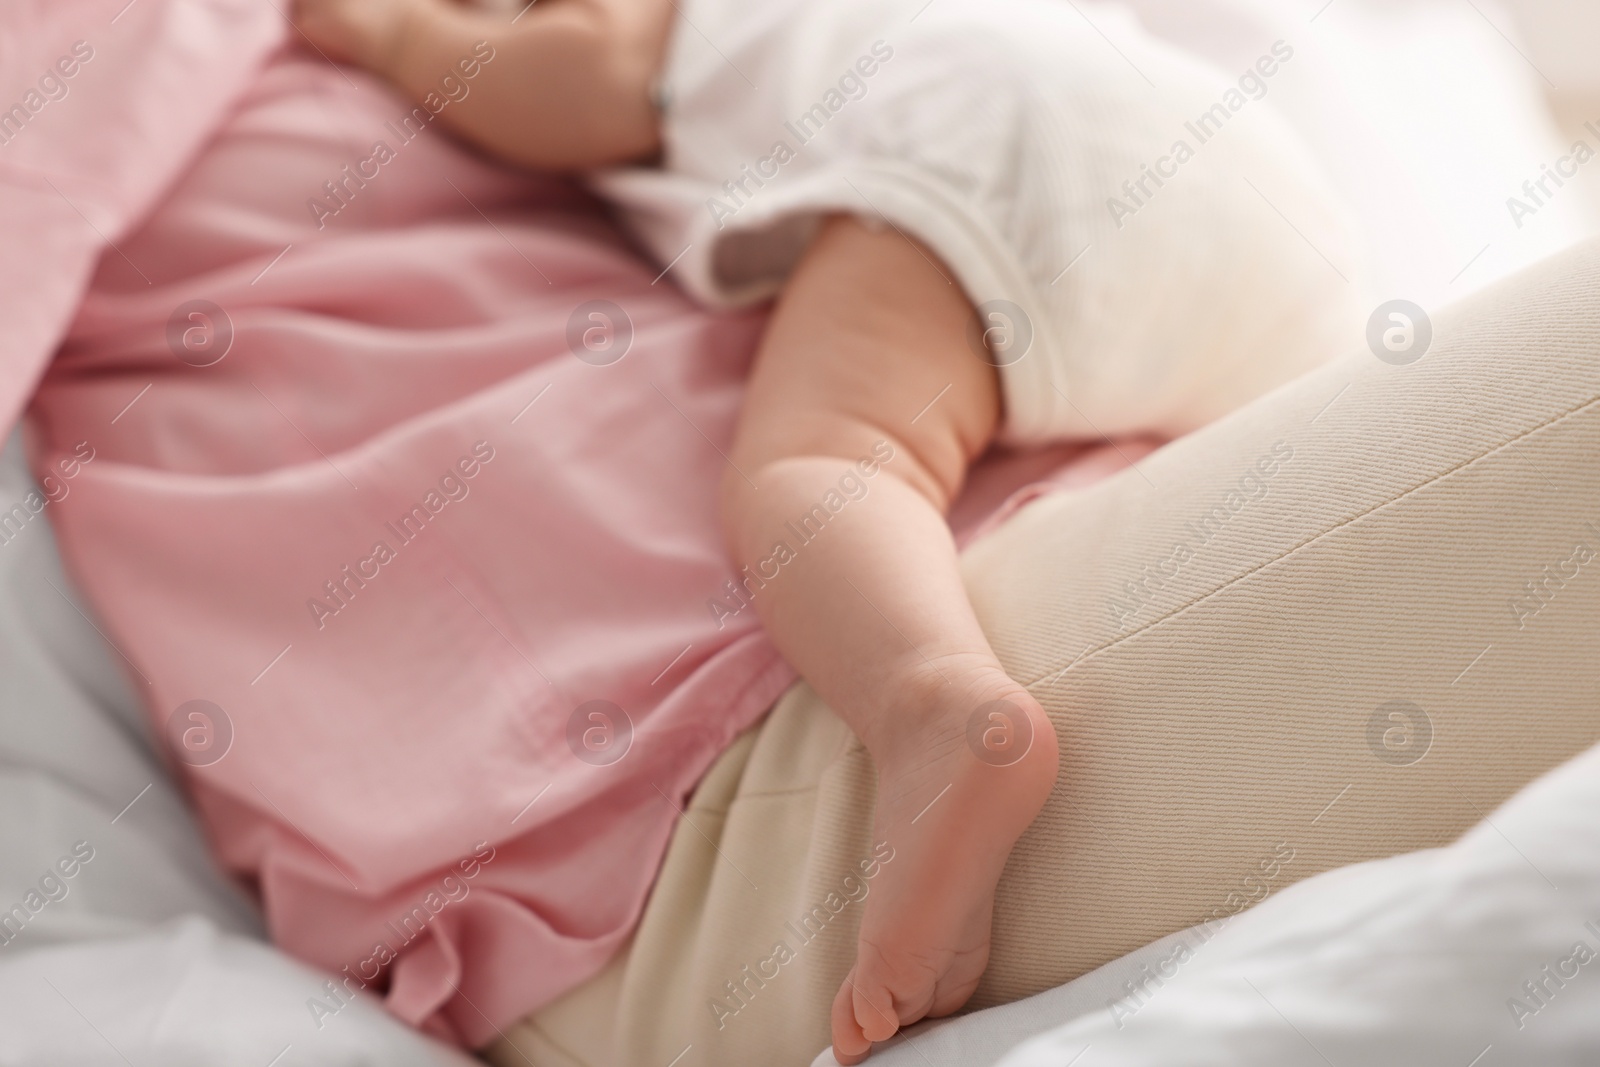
(128,941)
(184,995)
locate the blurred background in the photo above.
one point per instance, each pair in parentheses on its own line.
(1560,38)
(1429,117)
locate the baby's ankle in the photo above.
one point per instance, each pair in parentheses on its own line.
(935,697)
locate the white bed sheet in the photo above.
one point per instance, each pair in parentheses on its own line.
(144,953)
(1485,953)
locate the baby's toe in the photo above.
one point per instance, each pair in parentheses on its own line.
(873,1004)
(850,1044)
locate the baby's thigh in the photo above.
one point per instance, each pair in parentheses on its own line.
(871,339)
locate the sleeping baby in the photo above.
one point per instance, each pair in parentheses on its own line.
(981,220)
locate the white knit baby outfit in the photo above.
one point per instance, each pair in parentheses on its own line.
(1146,243)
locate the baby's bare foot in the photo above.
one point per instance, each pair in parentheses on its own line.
(959,780)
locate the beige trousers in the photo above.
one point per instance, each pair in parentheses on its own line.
(1343,623)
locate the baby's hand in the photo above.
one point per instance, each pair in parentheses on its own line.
(364,32)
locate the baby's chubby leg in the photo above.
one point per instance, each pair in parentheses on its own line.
(867,357)
(566,85)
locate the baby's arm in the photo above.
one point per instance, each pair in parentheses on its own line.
(568,87)
(866,353)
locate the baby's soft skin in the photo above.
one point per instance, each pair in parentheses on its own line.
(572,91)
(866,356)
(868,333)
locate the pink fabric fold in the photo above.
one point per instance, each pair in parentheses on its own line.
(398,534)
(89,153)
